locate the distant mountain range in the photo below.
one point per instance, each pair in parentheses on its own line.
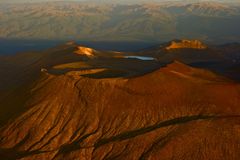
(214,22)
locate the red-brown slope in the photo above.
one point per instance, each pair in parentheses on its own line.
(185,114)
(18,72)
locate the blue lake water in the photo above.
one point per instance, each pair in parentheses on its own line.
(144,58)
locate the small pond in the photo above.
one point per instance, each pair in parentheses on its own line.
(144,58)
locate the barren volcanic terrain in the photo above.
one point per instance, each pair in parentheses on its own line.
(178,100)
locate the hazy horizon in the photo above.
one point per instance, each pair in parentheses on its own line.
(117,1)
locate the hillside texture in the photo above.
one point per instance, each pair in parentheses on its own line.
(65,103)
(177,112)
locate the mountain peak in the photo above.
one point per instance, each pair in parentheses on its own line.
(192,44)
(179,66)
(81,50)
(186,71)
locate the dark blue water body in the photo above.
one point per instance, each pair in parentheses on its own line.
(13,46)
